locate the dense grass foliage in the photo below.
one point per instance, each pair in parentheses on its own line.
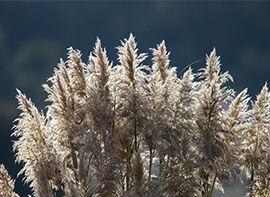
(136,130)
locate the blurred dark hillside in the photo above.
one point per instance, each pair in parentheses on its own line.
(34,35)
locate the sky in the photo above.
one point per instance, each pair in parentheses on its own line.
(34,35)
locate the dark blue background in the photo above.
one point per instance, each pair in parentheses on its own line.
(34,35)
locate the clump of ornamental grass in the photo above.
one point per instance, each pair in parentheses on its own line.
(256,143)
(132,129)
